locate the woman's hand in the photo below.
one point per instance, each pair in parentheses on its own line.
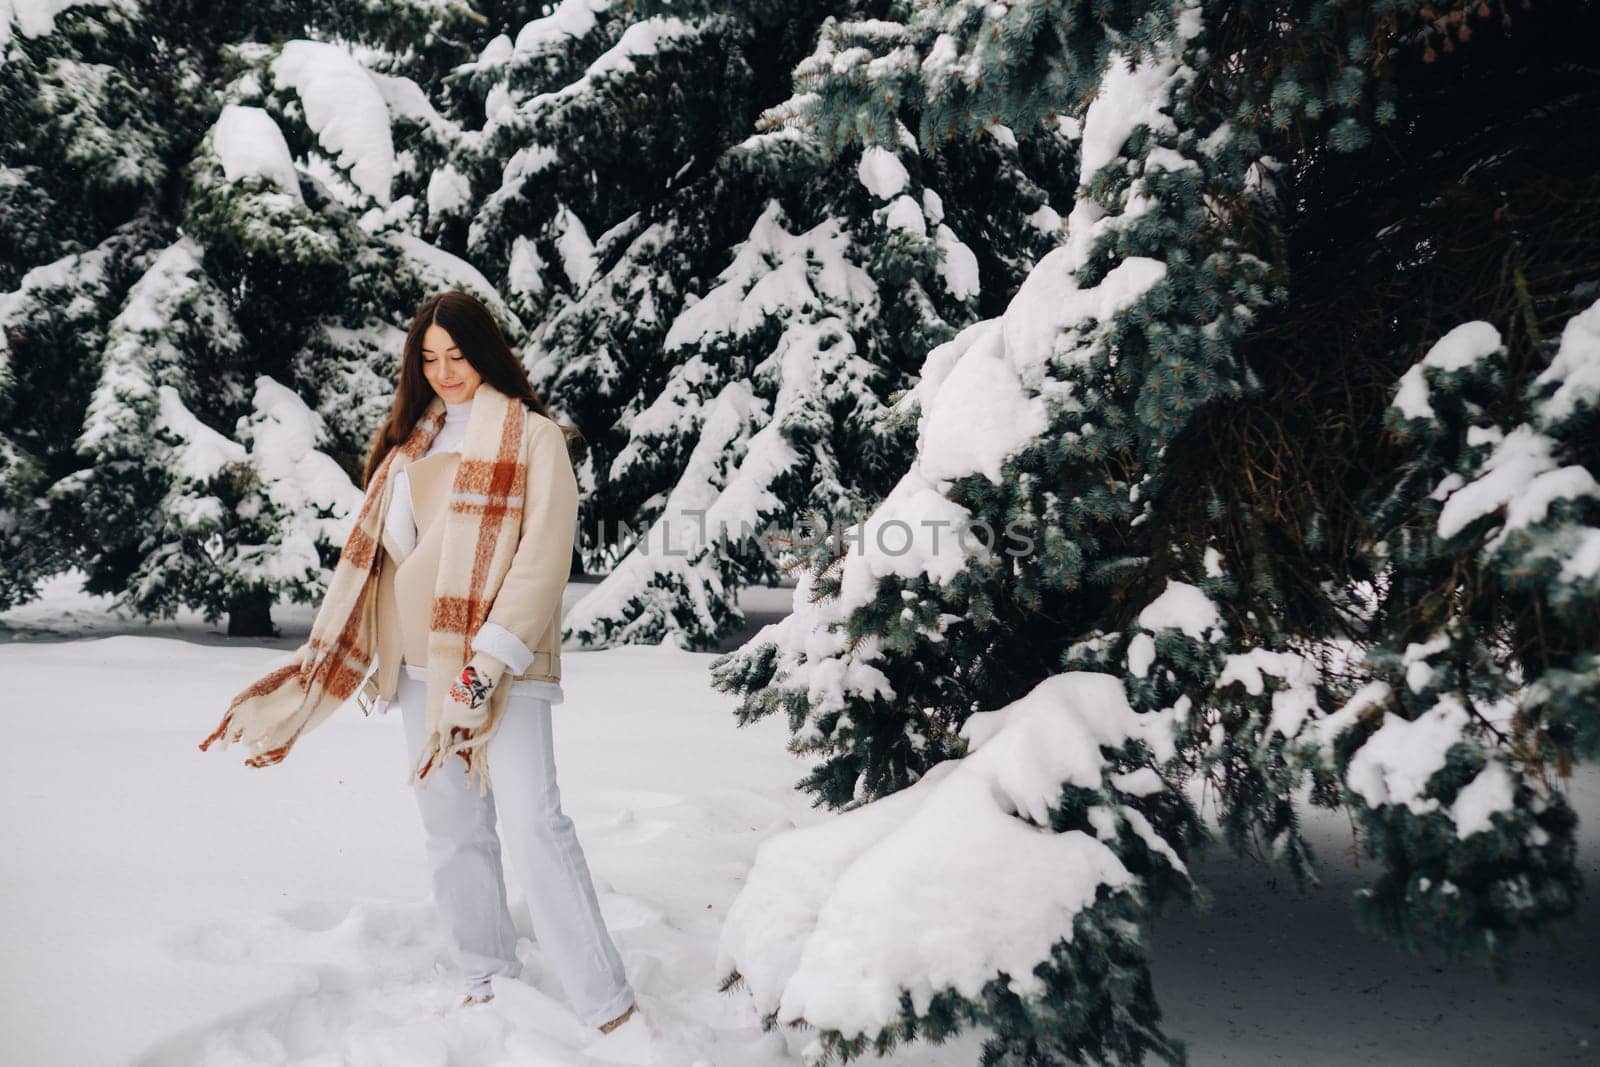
(466,704)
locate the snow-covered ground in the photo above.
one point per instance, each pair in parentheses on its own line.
(166,906)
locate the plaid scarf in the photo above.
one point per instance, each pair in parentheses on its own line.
(483,521)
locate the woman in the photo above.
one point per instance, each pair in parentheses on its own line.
(451,581)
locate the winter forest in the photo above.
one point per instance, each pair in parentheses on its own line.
(1035,455)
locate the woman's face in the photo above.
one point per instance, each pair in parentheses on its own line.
(446,369)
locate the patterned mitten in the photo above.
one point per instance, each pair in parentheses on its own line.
(466,705)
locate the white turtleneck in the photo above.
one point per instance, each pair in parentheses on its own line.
(454,431)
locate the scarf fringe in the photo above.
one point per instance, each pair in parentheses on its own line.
(471,746)
(267,717)
(472,750)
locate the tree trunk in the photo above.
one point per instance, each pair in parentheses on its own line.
(251,616)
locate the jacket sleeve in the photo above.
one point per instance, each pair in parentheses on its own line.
(530,594)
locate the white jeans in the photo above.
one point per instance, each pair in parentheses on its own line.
(464,852)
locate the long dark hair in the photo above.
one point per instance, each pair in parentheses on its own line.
(474,330)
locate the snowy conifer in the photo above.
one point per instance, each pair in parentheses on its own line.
(1133,605)
(182,431)
(724,314)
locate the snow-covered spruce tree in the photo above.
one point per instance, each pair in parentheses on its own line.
(724,315)
(153,492)
(283,266)
(82,137)
(1481,212)
(1486,676)
(79,152)
(52,330)
(180,513)
(1120,429)
(305,203)
(1033,428)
